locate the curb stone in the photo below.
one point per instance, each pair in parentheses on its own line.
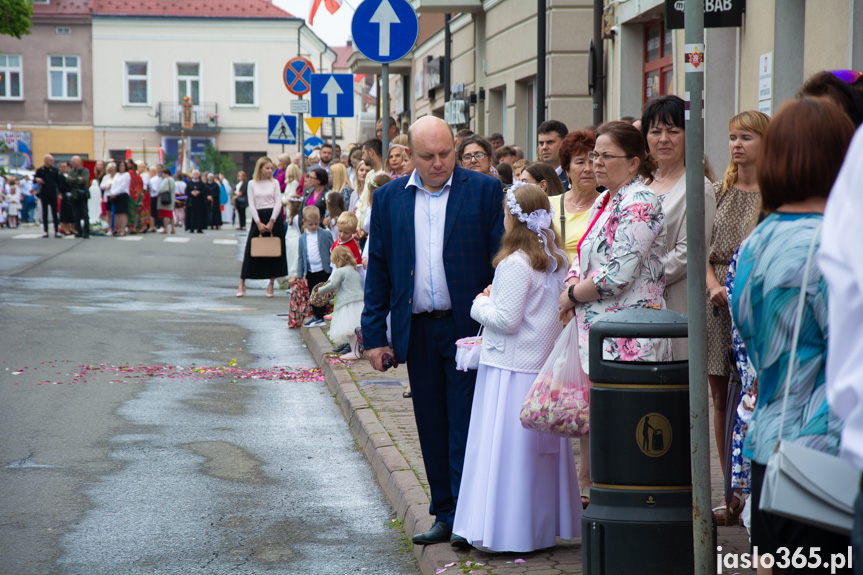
(395,476)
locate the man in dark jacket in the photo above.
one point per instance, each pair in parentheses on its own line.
(77,178)
(214,207)
(48,178)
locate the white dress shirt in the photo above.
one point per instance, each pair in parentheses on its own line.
(120,184)
(430,287)
(842,267)
(313,252)
(153,185)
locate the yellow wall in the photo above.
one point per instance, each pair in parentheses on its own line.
(59,140)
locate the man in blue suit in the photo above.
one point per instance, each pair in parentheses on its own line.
(433,236)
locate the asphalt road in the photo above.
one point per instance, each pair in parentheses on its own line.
(106,469)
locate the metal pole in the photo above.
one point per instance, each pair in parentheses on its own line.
(696,280)
(540,64)
(301,135)
(334,140)
(598,64)
(447,58)
(385,108)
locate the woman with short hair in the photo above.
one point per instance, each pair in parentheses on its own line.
(241,198)
(475,153)
(663,127)
(801,154)
(316,191)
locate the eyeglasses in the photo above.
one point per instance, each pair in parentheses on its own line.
(478,156)
(848,76)
(593,156)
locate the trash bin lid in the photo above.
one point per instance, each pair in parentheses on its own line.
(638,322)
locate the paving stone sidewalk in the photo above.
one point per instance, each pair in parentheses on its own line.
(382,422)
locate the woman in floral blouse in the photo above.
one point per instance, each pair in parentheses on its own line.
(620,260)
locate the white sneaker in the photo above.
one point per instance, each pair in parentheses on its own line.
(317,323)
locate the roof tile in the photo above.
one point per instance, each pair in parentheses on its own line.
(191,8)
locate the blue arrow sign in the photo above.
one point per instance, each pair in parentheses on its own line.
(311,143)
(332,95)
(282,129)
(385,30)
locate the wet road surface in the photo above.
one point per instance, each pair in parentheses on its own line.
(107,470)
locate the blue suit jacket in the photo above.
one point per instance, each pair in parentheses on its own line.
(325,242)
(472,233)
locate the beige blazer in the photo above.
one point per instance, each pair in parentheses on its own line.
(674,208)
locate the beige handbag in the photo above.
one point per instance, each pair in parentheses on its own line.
(267,246)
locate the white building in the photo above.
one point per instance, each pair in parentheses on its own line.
(228,57)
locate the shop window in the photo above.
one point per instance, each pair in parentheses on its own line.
(658,61)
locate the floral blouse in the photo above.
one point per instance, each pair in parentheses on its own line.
(623,255)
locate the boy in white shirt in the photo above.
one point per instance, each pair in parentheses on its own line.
(314,261)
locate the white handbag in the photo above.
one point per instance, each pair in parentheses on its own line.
(801,483)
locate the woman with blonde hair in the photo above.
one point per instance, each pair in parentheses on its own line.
(359,184)
(264,206)
(738,203)
(341,182)
(284,160)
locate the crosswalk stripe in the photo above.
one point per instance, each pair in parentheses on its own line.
(225,242)
(176,240)
(26,236)
(131,238)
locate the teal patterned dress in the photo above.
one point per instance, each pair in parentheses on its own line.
(764,306)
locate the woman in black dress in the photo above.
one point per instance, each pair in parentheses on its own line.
(265,207)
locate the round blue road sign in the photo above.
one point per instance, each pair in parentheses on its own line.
(385,30)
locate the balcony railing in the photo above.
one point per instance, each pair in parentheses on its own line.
(205,117)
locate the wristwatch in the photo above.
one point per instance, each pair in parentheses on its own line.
(569,293)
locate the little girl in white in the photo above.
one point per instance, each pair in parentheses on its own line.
(348,308)
(519,488)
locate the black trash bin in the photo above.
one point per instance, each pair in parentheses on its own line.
(640,515)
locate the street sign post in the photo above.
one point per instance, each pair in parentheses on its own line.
(311,144)
(282,130)
(332,95)
(298,80)
(385,31)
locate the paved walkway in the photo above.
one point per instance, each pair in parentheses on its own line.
(383,423)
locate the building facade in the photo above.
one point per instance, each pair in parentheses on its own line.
(46,89)
(759,64)
(229,62)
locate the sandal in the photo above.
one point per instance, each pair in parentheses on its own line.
(408,394)
(727,515)
(585,496)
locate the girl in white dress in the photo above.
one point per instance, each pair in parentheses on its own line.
(519,488)
(293,202)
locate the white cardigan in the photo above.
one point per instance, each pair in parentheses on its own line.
(520,318)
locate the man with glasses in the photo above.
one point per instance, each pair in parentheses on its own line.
(551,135)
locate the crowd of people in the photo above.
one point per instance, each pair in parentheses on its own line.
(446,233)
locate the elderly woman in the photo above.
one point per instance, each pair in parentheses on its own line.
(801,155)
(620,260)
(738,203)
(475,153)
(543,176)
(662,125)
(394,161)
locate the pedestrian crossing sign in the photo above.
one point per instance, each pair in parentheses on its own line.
(282,129)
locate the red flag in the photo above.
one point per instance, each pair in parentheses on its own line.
(128,153)
(161,155)
(332,6)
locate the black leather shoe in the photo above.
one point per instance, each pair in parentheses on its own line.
(459,543)
(440,532)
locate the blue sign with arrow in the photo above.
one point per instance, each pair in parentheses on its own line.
(282,129)
(385,30)
(311,143)
(332,95)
